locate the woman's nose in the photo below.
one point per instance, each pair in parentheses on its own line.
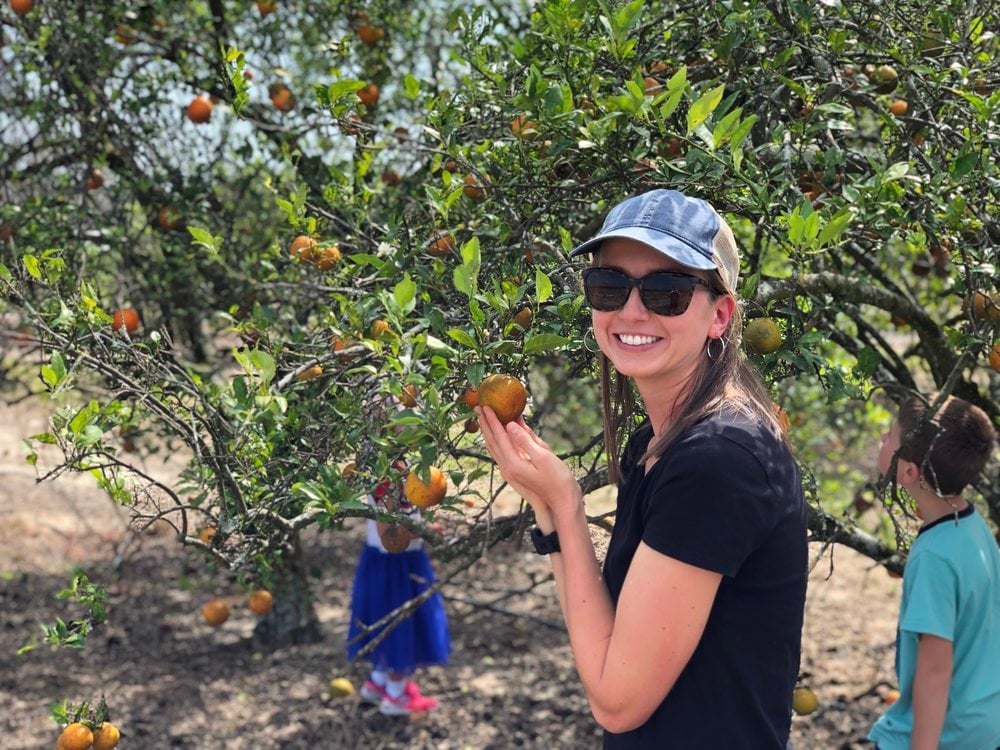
(633,306)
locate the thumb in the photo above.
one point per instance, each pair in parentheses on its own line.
(521,438)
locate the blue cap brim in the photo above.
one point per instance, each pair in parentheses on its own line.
(662,243)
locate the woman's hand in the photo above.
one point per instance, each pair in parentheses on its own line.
(528,464)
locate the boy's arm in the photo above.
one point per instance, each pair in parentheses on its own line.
(931,683)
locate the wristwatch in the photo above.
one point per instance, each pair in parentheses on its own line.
(545,544)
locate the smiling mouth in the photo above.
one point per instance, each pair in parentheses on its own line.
(632,340)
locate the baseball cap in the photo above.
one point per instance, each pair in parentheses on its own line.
(687,230)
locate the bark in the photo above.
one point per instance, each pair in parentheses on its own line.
(293,619)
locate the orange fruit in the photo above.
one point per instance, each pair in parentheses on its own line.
(891,697)
(370,35)
(505,395)
(341,687)
(200,109)
(168,218)
(523,317)
(309,373)
(899,107)
(267,7)
(125,34)
(652,86)
(471,397)
(408,397)
(337,343)
(106,737)
(215,611)
(260,602)
(395,538)
(391,178)
(379,329)
(369,95)
(326,258)
(302,248)
(522,127)
(207,534)
(472,425)
(985,306)
(472,189)
(75,736)
(885,77)
(425,494)
(762,336)
(804,701)
(126,318)
(441,245)
(281,97)
(995,357)
(95,180)
(21,7)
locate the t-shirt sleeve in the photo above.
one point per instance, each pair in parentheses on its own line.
(711,505)
(930,602)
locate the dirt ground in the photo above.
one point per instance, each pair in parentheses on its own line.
(173,682)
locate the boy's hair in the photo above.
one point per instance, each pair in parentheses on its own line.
(951,448)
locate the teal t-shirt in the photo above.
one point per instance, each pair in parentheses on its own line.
(951,589)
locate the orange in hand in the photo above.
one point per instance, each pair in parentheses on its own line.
(505,395)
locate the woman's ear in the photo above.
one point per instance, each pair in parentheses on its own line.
(724,307)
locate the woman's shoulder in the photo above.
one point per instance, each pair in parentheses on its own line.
(731,438)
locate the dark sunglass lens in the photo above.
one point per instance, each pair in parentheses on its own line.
(668,294)
(606,290)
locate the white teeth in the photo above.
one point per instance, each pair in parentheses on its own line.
(632,340)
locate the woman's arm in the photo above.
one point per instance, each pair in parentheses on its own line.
(931,684)
(629,660)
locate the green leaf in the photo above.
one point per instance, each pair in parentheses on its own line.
(463,338)
(544,342)
(836,226)
(543,286)
(466,275)
(340,89)
(411,86)
(31,266)
(703,107)
(404,293)
(896,171)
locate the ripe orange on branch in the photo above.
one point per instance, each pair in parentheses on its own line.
(281,97)
(126,318)
(426,494)
(899,107)
(106,737)
(505,395)
(985,306)
(370,35)
(75,736)
(472,189)
(266,7)
(199,111)
(369,95)
(260,602)
(21,7)
(95,180)
(302,248)
(441,245)
(995,357)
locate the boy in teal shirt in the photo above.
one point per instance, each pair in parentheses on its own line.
(948,641)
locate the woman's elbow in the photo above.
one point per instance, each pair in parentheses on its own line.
(623,717)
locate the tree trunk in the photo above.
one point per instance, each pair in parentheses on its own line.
(293,619)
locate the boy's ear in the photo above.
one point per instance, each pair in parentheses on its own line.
(907,472)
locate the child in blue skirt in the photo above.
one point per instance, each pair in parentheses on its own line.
(383,582)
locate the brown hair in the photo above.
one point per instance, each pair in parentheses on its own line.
(951,445)
(725,380)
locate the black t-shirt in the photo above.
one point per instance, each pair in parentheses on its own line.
(725,497)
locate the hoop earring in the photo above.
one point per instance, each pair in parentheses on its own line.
(708,348)
(590,342)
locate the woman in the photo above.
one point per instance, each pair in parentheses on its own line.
(690,636)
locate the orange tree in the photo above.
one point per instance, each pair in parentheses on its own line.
(443,160)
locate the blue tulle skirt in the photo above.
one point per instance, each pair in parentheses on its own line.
(382,583)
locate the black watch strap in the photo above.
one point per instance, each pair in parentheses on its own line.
(545,544)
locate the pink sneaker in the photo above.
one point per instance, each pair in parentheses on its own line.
(410,702)
(372,693)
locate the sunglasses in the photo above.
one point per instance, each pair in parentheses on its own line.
(662,292)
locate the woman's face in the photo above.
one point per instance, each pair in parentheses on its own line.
(646,346)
